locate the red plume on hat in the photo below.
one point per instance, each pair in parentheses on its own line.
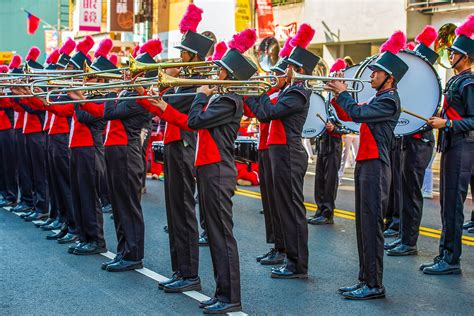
(113,58)
(3,69)
(395,43)
(287,48)
(33,54)
(85,45)
(219,51)
(68,47)
(243,41)
(152,47)
(105,46)
(304,36)
(467,28)
(338,65)
(16,62)
(427,36)
(135,51)
(191,19)
(53,57)
(410,45)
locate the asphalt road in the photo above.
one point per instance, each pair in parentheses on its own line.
(37,276)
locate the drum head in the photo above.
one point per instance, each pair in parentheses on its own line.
(419,90)
(353,127)
(315,125)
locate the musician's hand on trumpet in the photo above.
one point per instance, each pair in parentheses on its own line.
(207,90)
(336,86)
(76,95)
(437,122)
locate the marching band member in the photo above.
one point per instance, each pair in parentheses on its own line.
(372,174)
(217,120)
(418,149)
(329,148)
(456,142)
(288,158)
(35,148)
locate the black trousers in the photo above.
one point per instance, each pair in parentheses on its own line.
(289,166)
(37,170)
(472,194)
(124,174)
(457,166)
(22,169)
(87,171)
(8,160)
(53,198)
(273,226)
(372,182)
(180,208)
(395,202)
(417,158)
(146,132)
(326,180)
(217,183)
(60,156)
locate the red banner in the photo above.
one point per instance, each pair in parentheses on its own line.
(265,18)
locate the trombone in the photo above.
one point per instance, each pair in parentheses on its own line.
(359,83)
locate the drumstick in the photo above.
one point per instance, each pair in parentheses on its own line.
(415,115)
(321,118)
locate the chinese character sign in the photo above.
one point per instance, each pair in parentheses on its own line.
(265,18)
(242,15)
(89,15)
(120,15)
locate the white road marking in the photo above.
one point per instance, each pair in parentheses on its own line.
(8,208)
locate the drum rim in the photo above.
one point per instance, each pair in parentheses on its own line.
(367,61)
(325,108)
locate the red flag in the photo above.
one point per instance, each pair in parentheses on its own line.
(32,23)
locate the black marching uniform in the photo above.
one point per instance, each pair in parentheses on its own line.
(289,162)
(8,177)
(395,203)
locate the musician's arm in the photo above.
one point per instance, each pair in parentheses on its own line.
(467,123)
(216,114)
(377,111)
(266,111)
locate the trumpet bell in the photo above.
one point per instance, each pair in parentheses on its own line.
(445,39)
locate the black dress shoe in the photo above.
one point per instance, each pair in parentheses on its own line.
(275,258)
(203,241)
(30,212)
(36,216)
(272,251)
(56,224)
(390,233)
(208,302)
(183,284)
(284,273)
(117,258)
(443,267)
(21,208)
(403,250)
(321,220)
(71,248)
(7,203)
(45,223)
(68,238)
(174,277)
(222,308)
(429,264)
(351,288)
(468,225)
(471,230)
(393,244)
(365,293)
(124,265)
(90,248)
(59,234)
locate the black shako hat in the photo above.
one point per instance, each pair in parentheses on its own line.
(391,64)
(78,59)
(303,58)
(196,43)
(102,63)
(463,45)
(146,58)
(281,65)
(427,52)
(237,65)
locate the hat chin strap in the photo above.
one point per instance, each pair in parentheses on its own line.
(457,61)
(383,83)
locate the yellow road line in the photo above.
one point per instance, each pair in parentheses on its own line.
(425,231)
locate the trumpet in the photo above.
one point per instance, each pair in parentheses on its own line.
(359,83)
(202,68)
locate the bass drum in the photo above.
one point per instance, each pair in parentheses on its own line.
(351,127)
(419,91)
(317,117)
